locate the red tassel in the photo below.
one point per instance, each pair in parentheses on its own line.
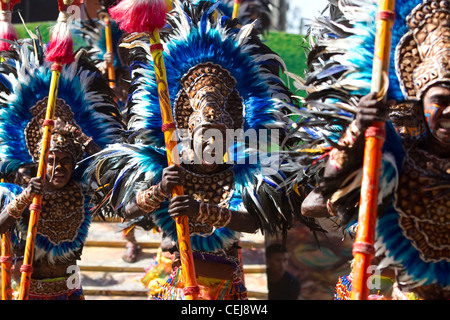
(60,47)
(140,15)
(64,4)
(7,30)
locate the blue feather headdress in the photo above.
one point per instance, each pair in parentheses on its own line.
(194,37)
(80,86)
(84,91)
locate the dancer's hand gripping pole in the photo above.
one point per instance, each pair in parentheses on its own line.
(363,247)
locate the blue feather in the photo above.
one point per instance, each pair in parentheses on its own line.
(31,85)
(402,250)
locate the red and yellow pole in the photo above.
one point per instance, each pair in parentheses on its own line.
(35,207)
(363,247)
(236,5)
(6,261)
(182,223)
(109,48)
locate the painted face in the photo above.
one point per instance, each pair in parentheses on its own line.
(209,146)
(436,109)
(59,169)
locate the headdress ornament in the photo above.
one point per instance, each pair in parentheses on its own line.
(207,98)
(84,100)
(423,54)
(33,132)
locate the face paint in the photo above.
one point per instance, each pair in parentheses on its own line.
(430,113)
(436,110)
(59,169)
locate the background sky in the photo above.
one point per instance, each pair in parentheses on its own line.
(302,9)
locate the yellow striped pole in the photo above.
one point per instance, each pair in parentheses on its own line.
(363,247)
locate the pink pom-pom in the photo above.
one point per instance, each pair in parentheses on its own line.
(10,35)
(7,31)
(60,47)
(139,15)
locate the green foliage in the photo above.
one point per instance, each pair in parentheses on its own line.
(44,29)
(290,47)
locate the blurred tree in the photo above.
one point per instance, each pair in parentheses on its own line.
(283,6)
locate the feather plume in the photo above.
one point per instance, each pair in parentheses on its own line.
(140,15)
(60,47)
(93,33)
(7,30)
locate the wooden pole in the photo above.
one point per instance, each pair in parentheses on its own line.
(109,49)
(35,207)
(363,247)
(236,5)
(6,262)
(6,266)
(182,223)
(7,6)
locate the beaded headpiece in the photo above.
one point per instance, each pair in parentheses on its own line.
(33,132)
(423,54)
(208,97)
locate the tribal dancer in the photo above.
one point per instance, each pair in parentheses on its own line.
(250,11)
(222,80)
(411,248)
(87,120)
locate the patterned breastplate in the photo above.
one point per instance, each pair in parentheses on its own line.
(423,203)
(62,214)
(214,189)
